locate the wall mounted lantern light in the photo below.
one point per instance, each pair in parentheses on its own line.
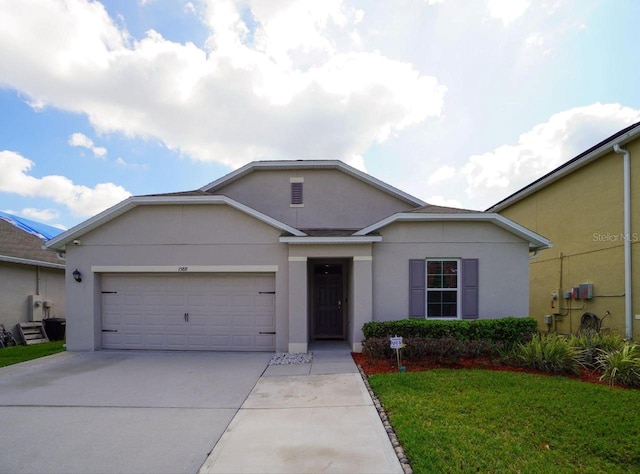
(77,276)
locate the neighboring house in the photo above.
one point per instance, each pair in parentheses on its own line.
(32,278)
(581,207)
(280,253)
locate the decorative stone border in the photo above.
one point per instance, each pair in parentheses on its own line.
(404,462)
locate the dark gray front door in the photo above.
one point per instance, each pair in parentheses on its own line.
(328,301)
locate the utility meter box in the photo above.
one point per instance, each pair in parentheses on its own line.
(585,290)
(548,319)
(35,308)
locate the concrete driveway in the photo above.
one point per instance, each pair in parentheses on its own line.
(121,411)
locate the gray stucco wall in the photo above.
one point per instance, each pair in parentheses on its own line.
(18,282)
(503,265)
(193,235)
(332,199)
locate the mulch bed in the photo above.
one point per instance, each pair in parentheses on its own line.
(386,366)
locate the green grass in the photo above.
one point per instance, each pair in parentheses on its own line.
(489,421)
(17,354)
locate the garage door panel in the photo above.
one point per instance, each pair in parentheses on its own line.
(225,312)
(265,341)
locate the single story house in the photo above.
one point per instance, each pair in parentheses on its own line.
(32,278)
(589,208)
(280,253)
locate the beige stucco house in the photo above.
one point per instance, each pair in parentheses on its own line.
(31,278)
(588,207)
(280,253)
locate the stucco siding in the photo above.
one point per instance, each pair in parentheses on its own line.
(332,199)
(180,236)
(582,214)
(503,266)
(18,282)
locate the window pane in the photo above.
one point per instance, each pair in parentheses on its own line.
(434,267)
(450,281)
(434,297)
(434,310)
(449,310)
(435,281)
(450,267)
(449,296)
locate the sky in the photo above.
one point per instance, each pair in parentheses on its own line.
(457,102)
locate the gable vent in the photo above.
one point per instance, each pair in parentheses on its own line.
(296,193)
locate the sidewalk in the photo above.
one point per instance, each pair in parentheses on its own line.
(306,418)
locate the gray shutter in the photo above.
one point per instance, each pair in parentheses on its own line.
(470,288)
(417,283)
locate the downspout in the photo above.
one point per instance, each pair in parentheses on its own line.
(628,309)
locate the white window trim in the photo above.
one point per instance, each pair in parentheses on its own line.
(458,289)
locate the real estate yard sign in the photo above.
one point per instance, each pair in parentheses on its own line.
(397,344)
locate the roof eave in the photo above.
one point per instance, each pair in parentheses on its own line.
(536,241)
(27,261)
(367,239)
(60,241)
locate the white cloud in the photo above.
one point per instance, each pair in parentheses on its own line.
(507,10)
(443,173)
(81,140)
(294,83)
(81,200)
(494,175)
(126,164)
(41,215)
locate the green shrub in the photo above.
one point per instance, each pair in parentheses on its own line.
(551,353)
(590,346)
(377,348)
(621,366)
(507,331)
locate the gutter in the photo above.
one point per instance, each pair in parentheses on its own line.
(628,302)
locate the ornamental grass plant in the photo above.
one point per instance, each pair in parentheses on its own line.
(547,352)
(621,366)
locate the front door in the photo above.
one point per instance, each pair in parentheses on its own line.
(328,301)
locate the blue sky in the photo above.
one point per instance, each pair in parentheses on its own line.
(458,102)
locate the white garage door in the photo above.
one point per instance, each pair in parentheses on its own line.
(226,312)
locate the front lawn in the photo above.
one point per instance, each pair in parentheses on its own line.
(458,420)
(16,354)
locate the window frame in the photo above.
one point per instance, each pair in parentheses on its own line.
(458,288)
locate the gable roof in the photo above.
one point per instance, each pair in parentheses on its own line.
(604,147)
(536,241)
(307,165)
(23,247)
(60,241)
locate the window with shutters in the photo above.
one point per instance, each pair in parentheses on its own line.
(442,289)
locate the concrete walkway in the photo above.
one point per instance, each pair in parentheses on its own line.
(306,418)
